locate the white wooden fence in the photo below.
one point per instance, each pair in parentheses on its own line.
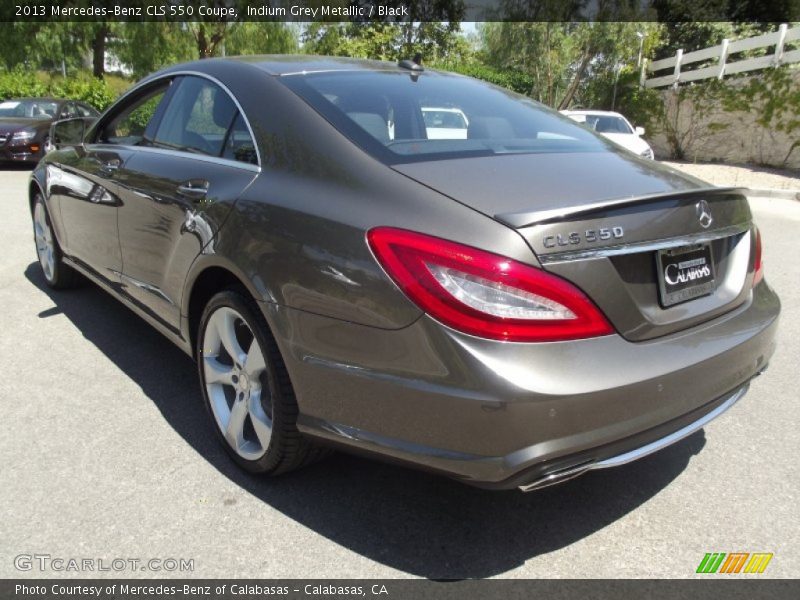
(721,53)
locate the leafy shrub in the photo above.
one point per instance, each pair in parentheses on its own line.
(90,90)
(20,83)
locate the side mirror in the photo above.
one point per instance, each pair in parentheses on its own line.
(68,132)
(640,131)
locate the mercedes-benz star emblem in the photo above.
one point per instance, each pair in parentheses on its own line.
(704,214)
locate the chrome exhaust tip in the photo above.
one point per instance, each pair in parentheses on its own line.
(556,477)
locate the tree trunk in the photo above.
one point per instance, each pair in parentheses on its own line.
(588,54)
(203,50)
(206,46)
(99,52)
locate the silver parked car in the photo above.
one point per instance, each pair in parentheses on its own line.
(510,302)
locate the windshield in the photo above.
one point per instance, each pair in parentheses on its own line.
(32,109)
(401,117)
(608,124)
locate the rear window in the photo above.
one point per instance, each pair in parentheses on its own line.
(403,117)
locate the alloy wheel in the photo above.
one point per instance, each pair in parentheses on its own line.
(235,376)
(45,248)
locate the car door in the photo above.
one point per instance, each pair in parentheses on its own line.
(83,184)
(178,191)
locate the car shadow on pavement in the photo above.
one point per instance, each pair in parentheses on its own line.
(415,522)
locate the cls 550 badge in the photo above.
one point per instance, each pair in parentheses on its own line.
(574,238)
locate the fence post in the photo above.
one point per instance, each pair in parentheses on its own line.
(778,56)
(723,57)
(678,58)
(643,73)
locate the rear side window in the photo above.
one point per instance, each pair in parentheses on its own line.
(239,144)
(198,118)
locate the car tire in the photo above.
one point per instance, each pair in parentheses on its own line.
(57,274)
(246,388)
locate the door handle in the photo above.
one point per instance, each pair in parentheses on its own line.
(110,166)
(196,190)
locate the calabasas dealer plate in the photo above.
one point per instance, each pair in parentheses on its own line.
(685,273)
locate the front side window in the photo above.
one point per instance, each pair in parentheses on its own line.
(198,118)
(129,124)
(68,111)
(401,117)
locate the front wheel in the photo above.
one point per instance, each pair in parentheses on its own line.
(57,275)
(246,388)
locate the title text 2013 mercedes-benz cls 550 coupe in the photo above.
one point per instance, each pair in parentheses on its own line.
(510,307)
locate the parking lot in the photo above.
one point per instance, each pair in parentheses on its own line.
(107,453)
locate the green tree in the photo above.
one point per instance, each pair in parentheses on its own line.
(436,42)
(262,38)
(568,62)
(45,45)
(431,29)
(149,46)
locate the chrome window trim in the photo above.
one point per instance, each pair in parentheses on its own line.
(650,246)
(225,88)
(217,160)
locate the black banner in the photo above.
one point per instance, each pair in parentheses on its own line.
(738,588)
(400,10)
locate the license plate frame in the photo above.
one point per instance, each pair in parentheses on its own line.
(685,273)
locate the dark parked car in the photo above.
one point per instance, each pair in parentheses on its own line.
(510,307)
(25,125)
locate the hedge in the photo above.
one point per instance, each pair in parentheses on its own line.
(20,84)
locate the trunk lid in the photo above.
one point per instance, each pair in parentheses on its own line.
(601,220)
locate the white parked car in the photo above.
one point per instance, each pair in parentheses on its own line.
(445,123)
(615,127)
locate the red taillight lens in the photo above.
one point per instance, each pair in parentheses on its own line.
(758,267)
(485,294)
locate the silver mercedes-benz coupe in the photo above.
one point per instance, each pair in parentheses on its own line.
(409,264)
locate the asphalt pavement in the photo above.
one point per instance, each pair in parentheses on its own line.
(106,453)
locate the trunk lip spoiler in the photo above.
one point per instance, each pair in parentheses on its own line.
(519,220)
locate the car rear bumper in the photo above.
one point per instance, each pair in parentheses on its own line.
(505,415)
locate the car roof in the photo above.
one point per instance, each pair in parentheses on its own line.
(291,64)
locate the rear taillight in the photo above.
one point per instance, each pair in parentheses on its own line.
(485,294)
(758,268)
